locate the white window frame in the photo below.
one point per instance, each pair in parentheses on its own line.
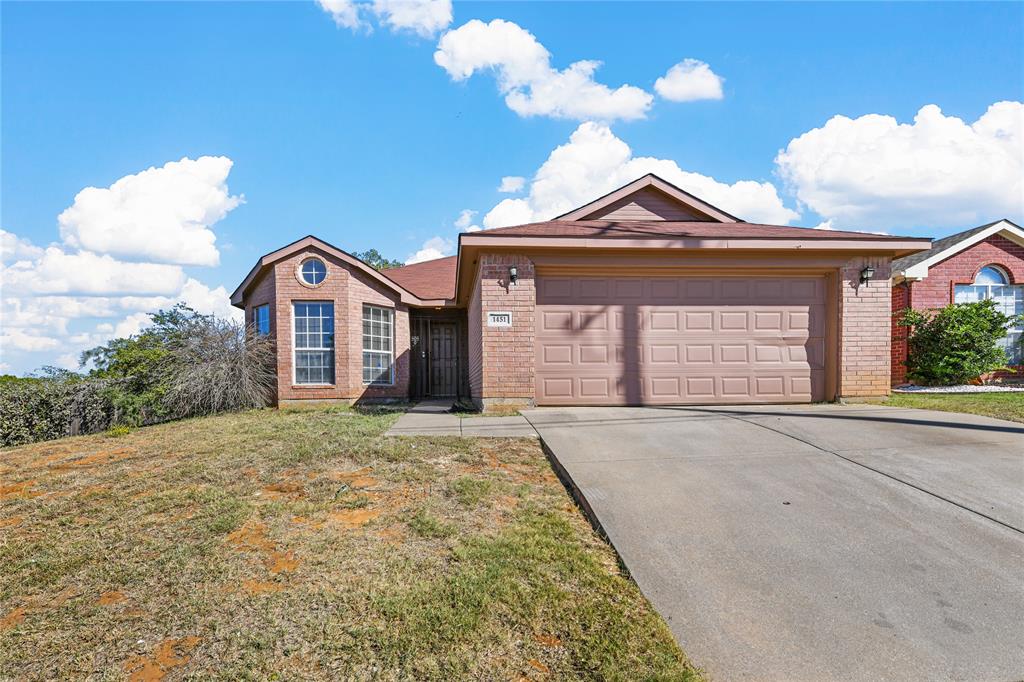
(388,318)
(296,350)
(1011,342)
(256,319)
(302,271)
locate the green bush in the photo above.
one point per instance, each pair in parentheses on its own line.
(955,344)
(183,364)
(55,405)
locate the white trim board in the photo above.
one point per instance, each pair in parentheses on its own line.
(1004,227)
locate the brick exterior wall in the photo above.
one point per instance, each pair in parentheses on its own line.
(936,290)
(474,335)
(348,289)
(865,329)
(900,301)
(508,352)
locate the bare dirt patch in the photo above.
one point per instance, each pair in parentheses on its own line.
(252,537)
(169,654)
(12,618)
(261,586)
(353,518)
(354,479)
(111,597)
(282,562)
(19,490)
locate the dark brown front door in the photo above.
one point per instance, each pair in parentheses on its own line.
(442,359)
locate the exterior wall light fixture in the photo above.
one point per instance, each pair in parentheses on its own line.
(513,275)
(866,274)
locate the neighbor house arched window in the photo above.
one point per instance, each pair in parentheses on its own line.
(992,282)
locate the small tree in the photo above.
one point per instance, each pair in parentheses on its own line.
(955,344)
(218,366)
(185,364)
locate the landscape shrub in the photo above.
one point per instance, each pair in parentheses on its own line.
(955,344)
(55,405)
(184,364)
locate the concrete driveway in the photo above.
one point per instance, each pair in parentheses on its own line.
(814,542)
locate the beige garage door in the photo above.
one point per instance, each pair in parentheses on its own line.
(650,340)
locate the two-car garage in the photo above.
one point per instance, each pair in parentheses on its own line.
(620,340)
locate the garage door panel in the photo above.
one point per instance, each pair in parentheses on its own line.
(680,340)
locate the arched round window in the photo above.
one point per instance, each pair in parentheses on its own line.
(992,283)
(313,271)
(990,274)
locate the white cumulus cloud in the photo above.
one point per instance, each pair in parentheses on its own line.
(344,12)
(594,161)
(20,339)
(161,215)
(89,274)
(425,18)
(938,171)
(465,221)
(512,184)
(688,81)
(14,248)
(433,248)
(532,87)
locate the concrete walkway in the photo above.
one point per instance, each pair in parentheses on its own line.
(432,418)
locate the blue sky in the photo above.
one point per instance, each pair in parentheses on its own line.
(361,137)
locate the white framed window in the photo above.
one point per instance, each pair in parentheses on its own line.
(313,271)
(378,346)
(992,283)
(313,353)
(261,319)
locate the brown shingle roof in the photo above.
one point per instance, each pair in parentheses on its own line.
(938,246)
(430,279)
(668,229)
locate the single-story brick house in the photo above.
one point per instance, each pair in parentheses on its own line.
(983,262)
(647,295)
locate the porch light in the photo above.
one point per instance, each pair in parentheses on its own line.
(866,274)
(513,275)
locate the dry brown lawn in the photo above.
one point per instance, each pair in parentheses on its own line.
(305,545)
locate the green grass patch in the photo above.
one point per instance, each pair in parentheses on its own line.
(470,491)
(1009,406)
(426,525)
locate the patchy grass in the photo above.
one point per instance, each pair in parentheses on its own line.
(301,544)
(1008,406)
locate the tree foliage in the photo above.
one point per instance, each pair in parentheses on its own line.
(378,262)
(183,364)
(955,344)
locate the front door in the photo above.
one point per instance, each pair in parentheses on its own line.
(443,366)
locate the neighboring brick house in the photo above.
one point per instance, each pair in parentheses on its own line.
(983,262)
(647,295)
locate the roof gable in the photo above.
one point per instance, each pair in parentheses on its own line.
(649,198)
(314,242)
(915,266)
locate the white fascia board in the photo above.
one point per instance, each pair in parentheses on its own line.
(1004,227)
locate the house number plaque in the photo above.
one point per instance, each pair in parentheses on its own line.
(499,319)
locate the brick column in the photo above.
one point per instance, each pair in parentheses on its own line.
(900,301)
(866,324)
(508,352)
